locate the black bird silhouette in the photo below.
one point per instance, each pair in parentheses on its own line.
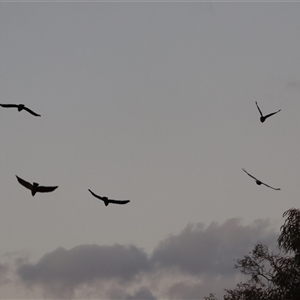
(258,182)
(262,117)
(107,201)
(20,108)
(35,187)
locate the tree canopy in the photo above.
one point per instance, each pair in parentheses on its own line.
(273,276)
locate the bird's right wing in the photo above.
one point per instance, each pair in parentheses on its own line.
(99,197)
(118,201)
(276,189)
(9,105)
(258,109)
(271,114)
(24,183)
(46,189)
(32,112)
(249,174)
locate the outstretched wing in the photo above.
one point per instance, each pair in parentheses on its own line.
(118,201)
(276,189)
(250,174)
(271,114)
(24,183)
(32,112)
(46,189)
(99,197)
(9,105)
(258,109)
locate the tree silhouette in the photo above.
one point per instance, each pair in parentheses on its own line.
(273,276)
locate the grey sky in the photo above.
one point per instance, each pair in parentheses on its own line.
(152,102)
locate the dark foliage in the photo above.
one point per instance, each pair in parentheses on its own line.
(273,276)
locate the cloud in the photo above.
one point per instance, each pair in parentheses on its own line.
(3,274)
(190,289)
(196,261)
(197,250)
(186,290)
(61,271)
(142,293)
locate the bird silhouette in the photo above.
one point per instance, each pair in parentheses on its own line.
(35,187)
(107,201)
(20,108)
(258,182)
(262,117)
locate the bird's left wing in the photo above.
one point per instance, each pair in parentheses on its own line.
(24,183)
(258,108)
(99,197)
(9,105)
(46,189)
(32,112)
(249,174)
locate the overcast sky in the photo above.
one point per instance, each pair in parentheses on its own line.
(152,102)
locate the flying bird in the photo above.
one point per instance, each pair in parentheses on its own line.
(20,108)
(258,182)
(107,201)
(35,187)
(262,117)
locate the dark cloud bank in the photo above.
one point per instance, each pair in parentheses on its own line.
(188,265)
